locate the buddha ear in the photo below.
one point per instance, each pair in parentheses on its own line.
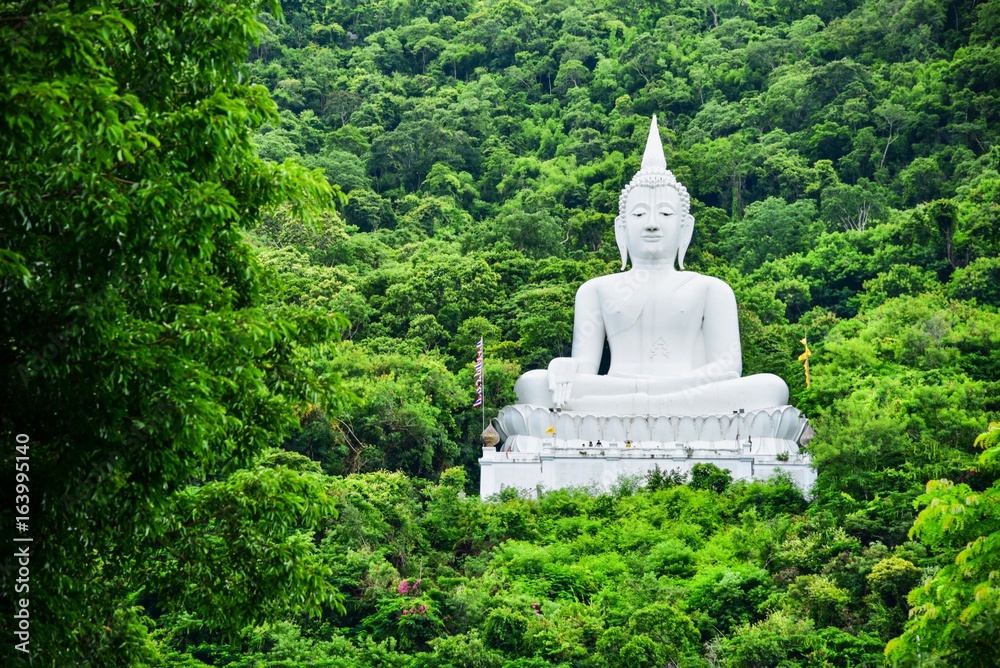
(622,239)
(687,229)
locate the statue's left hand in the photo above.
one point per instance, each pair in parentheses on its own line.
(562,370)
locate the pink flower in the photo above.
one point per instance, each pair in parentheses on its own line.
(404,587)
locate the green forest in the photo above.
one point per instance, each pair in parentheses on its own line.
(247,250)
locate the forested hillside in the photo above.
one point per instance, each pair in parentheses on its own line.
(228,473)
(842,162)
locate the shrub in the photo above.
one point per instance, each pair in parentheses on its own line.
(710,476)
(671,557)
(728,596)
(504,630)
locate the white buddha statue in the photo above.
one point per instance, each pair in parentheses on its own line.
(673,334)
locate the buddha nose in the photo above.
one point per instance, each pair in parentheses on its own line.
(651,227)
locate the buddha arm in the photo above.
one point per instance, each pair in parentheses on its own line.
(588,329)
(721,328)
(588,345)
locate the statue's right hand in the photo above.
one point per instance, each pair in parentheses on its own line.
(562,370)
(560,393)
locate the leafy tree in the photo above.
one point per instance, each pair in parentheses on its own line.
(138,359)
(233,537)
(979,280)
(768,230)
(545,323)
(403,417)
(892,578)
(954,613)
(368,211)
(405,155)
(342,168)
(890,417)
(728,597)
(505,631)
(853,207)
(901,280)
(821,600)
(671,629)
(710,476)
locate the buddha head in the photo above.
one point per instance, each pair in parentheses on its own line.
(654,210)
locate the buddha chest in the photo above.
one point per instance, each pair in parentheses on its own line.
(656,323)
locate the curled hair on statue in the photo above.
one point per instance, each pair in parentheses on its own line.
(655,180)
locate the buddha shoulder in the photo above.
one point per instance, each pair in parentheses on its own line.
(610,288)
(710,283)
(632,283)
(600,283)
(711,292)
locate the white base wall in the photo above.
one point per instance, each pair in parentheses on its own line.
(600,468)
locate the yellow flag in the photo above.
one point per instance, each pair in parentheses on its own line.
(804,358)
(551,430)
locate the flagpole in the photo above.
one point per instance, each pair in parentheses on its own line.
(484,383)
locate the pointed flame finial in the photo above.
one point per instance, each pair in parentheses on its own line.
(653,159)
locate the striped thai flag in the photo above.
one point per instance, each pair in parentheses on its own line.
(479,374)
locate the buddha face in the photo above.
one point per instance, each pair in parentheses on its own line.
(655,224)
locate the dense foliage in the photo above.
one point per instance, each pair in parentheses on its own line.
(139,356)
(168,293)
(483,147)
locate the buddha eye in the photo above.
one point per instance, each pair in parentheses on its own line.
(639,214)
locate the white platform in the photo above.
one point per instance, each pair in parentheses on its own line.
(559,464)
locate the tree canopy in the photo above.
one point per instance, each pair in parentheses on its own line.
(246,251)
(139,356)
